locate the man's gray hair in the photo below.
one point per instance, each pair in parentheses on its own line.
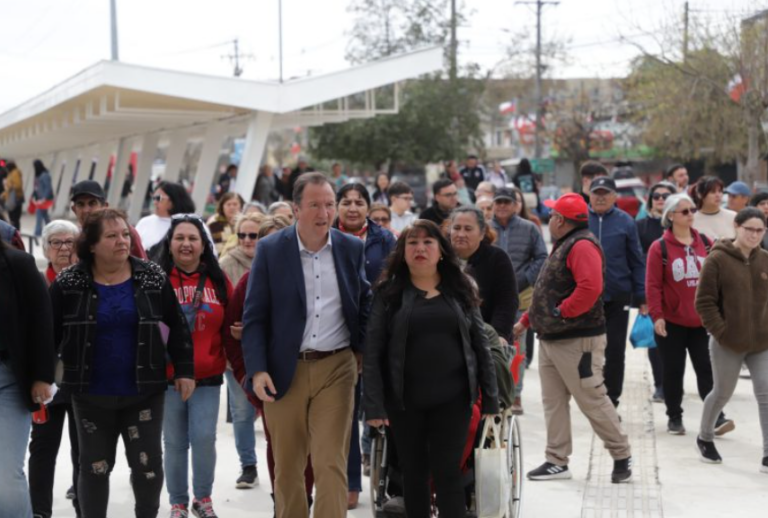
(670,206)
(315,178)
(58,226)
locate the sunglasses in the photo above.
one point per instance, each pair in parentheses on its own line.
(253,236)
(187,217)
(661,195)
(686,212)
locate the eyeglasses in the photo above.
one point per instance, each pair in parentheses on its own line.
(660,196)
(686,212)
(382,220)
(58,243)
(755,231)
(253,236)
(406,197)
(159,198)
(449,194)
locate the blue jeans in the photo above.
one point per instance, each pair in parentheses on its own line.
(15,424)
(243,416)
(42,218)
(185,424)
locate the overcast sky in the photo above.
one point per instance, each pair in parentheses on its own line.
(46,41)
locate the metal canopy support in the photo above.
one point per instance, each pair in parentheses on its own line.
(255,142)
(28,176)
(143,175)
(175,154)
(102,165)
(119,171)
(206,166)
(62,196)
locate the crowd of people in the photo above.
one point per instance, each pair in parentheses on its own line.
(321,304)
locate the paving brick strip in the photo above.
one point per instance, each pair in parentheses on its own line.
(641,497)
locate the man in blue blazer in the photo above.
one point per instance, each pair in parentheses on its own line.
(303,333)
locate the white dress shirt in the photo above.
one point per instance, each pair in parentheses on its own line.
(326,328)
(399,223)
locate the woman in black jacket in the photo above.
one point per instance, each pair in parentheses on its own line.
(107,313)
(426,357)
(649,229)
(27,366)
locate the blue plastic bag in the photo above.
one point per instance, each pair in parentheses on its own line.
(642,333)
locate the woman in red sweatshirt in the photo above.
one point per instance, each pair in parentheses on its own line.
(672,275)
(203,291)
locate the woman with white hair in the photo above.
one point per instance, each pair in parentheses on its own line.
(672,276)
(282,208)
(59,241)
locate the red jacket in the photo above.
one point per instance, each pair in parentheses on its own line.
(208,327)
(233,347)
(671,290)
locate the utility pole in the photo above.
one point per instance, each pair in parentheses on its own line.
(236,57)
(454,44)
(280,36)
(113,20)
(686,12)
(537,91)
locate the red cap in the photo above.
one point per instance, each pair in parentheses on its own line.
(572,206)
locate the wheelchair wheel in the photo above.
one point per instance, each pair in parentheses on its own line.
(378,472)
(515,464)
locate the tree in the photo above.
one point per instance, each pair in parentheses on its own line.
(437,119)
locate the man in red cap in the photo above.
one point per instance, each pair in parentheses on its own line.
(567,314)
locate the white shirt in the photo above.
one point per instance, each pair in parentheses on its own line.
(326,328)
(716,226)
(152,229)
(399,223)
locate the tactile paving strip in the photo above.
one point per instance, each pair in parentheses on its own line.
(642,496)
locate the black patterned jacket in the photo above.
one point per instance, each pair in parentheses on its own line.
(75,305)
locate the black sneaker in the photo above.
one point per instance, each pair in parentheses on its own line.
(549,471)
(764,467)
(203,508)
(71,493)
(707,451)
(675,426)
(248,478)
(723,425)
(658,395)
(622,471)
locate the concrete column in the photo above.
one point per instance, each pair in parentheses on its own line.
(56,169)
(255,142)
(206,167)
(106,149)
(119,171)
(28,177)
(62,196)
(177,146)
(143,175)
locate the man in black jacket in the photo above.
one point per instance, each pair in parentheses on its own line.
(27,366)
(446,198)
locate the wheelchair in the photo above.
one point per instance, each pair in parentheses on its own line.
(382,474)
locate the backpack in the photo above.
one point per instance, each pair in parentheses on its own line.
(663,244)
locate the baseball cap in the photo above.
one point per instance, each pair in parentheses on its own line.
(739,189)
(603,182)
(504,194)
(572,206)
(89,188)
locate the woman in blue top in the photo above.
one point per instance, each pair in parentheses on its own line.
(42,197)
(354,204)
(107,312)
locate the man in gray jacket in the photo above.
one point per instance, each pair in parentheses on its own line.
(522,241)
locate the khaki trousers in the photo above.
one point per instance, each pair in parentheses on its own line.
(574,367)
(313,419)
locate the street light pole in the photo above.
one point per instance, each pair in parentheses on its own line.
(113,19)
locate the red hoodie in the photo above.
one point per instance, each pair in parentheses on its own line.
(671,290)
(208,326)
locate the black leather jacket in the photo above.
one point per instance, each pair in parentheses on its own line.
(75,304)
(384,357)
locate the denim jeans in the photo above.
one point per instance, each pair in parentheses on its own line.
(190,423)
(15,424)
(243,416)
(42,218)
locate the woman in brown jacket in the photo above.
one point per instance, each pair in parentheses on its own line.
(732,300)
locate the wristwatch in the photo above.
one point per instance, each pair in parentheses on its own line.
(556,312)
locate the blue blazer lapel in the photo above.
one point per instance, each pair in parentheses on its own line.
(291,254)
